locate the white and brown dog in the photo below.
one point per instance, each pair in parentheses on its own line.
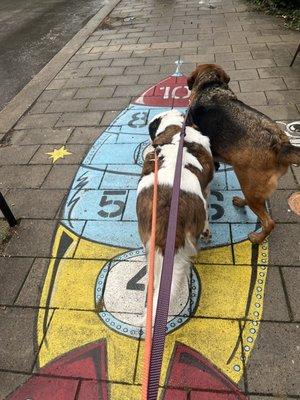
(197,172)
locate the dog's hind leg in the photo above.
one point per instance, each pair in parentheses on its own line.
(256,193)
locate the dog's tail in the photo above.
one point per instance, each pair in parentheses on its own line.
(289,154)
(181,273)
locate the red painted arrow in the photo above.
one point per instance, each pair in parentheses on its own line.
(189,369)
(172,91)
(51,382)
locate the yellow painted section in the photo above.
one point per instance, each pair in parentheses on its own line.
(71,329)
(224,293)
(218,255)
(224,290)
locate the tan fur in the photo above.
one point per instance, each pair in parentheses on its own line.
(259,152)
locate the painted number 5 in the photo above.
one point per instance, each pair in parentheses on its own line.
(105,201)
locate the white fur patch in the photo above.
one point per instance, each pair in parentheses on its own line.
(189,181)
(171,117)
(181,272)
(194,136)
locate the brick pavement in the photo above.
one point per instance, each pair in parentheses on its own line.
(112,68)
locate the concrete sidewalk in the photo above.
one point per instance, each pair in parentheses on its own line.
(69,316)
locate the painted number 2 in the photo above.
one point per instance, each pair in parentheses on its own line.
(108,199)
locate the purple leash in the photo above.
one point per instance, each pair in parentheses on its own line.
(159,330)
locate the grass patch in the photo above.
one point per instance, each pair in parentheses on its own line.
(289,10)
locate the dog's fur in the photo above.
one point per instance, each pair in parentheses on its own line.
(197,172)
(241,136)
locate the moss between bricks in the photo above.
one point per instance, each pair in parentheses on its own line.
(289,10)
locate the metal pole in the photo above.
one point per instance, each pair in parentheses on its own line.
(294,58)
(8,215)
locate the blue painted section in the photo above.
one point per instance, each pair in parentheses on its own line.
(103,196)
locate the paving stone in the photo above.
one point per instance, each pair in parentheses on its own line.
(278,72)
(296,173)
(285,61)
(291,278)
(260,85)
(149,79)
(119,80)
(280,241)
(95,63)
(32,239)
(94,92)
(253,99)
(60,177)
(116,103)
(74,73)
(275,307)
(230,41)
(40,136)
(67,105)
(245,55)
(280,112)
(78,58)
(244,64)
(85,135)
(12,154)
(80,119)
(280,209)
(283,97)
(66,94)
(48,95)
(199,59)
(77,153)
(243,74)
(125,62)
(83,82)
(35,203)
(108,117)
(37,121)
(274,363)
(31,290)
(235,87)
(39,107)
(264,39)
(133,90)
(17,339)
(142,70)
(100,49)
(57,84)
(13,272)
(292,83)
(9,381)
(26,176)
(288,181)
(115,54)
(102,71)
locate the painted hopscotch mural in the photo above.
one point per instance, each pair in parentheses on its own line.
(97,275)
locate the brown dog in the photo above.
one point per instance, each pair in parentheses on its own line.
(241,136)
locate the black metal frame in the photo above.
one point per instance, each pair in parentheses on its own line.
(6,211)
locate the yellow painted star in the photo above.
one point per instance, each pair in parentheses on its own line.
(56,154)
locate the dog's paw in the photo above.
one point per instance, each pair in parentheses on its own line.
(256,238)
(238,201)
(206,236)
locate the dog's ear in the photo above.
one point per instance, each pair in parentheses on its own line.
(191,79)
(222,75)
(153,126)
